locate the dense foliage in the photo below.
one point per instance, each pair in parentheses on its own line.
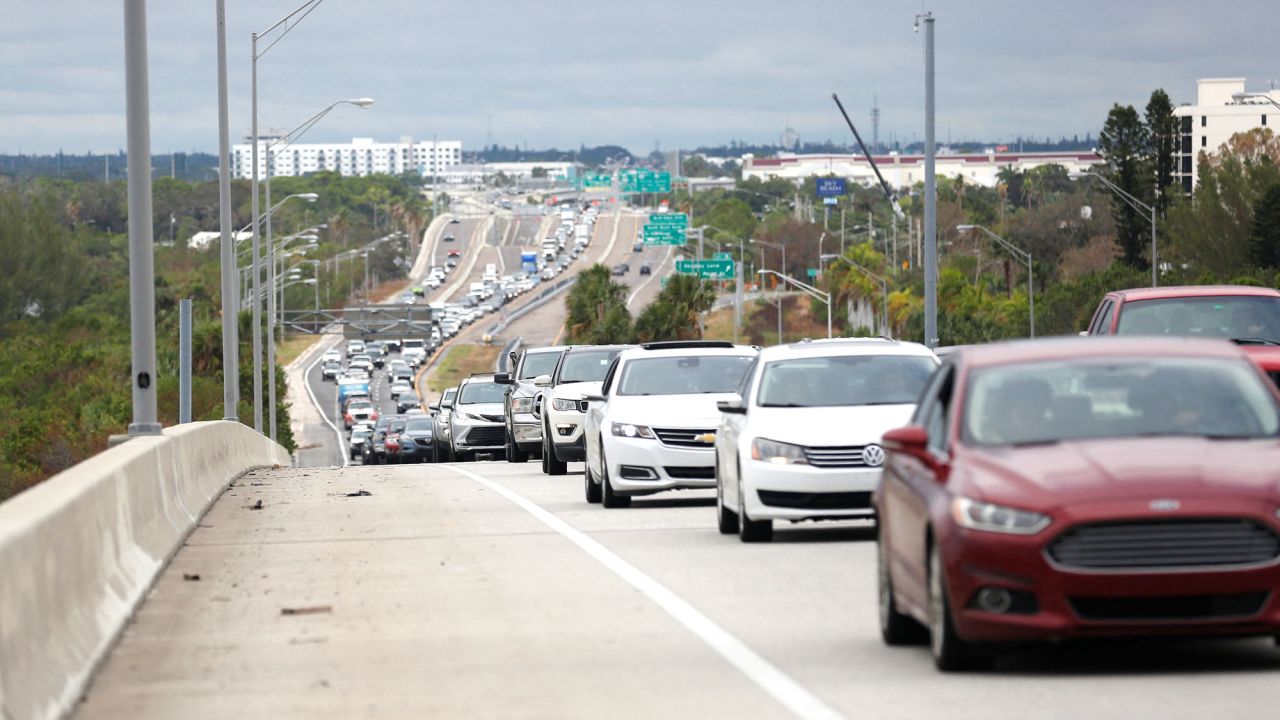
(64,301)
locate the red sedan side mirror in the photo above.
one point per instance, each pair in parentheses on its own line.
(910,439)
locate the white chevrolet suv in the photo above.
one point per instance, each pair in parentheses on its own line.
(801,442)
(652,427)
(580,372)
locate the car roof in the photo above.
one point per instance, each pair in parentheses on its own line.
(1176,291)
(1092,348)
(596,348)
(477,377)
(545,349)
(845,346)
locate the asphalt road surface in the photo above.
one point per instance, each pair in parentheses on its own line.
(488,590)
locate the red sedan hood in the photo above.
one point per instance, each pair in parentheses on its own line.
(1102,471)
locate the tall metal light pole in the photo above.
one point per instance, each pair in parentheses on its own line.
(930,192)
(142,277)
(1136,204)
(808,289)
(884,287)
(288,22)
(1022,255)
(230,304)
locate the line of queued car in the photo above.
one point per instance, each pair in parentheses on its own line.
(373,437)
(1024,491)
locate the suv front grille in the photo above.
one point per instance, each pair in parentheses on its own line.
(686,438)
(850,456)
(1200,542)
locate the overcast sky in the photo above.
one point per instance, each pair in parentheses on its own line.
(564,72)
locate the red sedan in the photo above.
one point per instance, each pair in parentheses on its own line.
(1248,315)
(454,253)
(1077,488)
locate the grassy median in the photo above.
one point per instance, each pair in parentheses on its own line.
(459,362)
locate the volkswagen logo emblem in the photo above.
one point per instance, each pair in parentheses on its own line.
(1164,505)
(873,455)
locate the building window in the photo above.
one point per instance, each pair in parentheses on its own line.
(1186,144)
(1204,141)
(1204,120)
(1186,184)
(1186,123)
(1186,164)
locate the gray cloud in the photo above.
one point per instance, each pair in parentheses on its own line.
(570,72)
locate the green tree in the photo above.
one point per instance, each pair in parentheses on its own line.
(675,313)
(1123,142)
(596,309)
(1162,134)
(1266,229)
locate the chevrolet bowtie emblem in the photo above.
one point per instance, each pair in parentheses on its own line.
(705,438)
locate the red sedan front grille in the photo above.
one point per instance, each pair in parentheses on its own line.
(1192,543)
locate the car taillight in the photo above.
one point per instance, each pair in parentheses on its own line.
(373,416)
(346,416)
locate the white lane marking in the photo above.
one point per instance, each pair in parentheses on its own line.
(773,681)
(656,271)
(306,380)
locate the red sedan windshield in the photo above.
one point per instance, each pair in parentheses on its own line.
(1049,402)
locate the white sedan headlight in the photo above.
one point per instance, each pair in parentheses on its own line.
(564,405)
(777,453)
(997,518)
(628,430)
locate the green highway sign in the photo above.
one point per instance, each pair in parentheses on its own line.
(679,220)
(663,240)
(722,256)
(597,183)
(646,181)
(664,231)
(708,269)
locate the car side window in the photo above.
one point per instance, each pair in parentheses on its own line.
(1102,323)
(608,378)
(937,421)
(930,392)
(748,377)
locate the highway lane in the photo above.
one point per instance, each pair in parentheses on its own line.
(491,590)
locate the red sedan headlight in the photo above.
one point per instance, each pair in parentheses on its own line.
(997,518)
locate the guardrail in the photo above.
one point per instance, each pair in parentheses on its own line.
(80,551)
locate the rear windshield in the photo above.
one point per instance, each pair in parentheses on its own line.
(683,375)
(1233,317)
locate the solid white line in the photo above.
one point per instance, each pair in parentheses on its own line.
(342,450)
(773,681)
(656,271)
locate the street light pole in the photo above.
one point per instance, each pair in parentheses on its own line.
(930,192)
(808,289)
(230,306)
(1019,253)
(305,9)
(1136,204)
(142,282)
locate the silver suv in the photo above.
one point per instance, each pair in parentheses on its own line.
(523,425)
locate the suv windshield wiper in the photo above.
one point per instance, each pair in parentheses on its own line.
(1254,341)
(784,405)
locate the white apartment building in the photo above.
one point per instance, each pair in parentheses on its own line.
(1215,117)
(907,170)
(361,156)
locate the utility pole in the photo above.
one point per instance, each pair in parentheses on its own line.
(142,277)
(930,193)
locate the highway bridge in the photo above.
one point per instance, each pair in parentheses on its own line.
(204,573)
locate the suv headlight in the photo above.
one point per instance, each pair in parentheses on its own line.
(629,430)
(564,404)
(777,453)
(521,405)
(997,518)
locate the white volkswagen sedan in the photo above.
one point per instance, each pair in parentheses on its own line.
(802,440)
(653,425)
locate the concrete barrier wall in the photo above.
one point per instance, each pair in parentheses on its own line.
(79,551)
